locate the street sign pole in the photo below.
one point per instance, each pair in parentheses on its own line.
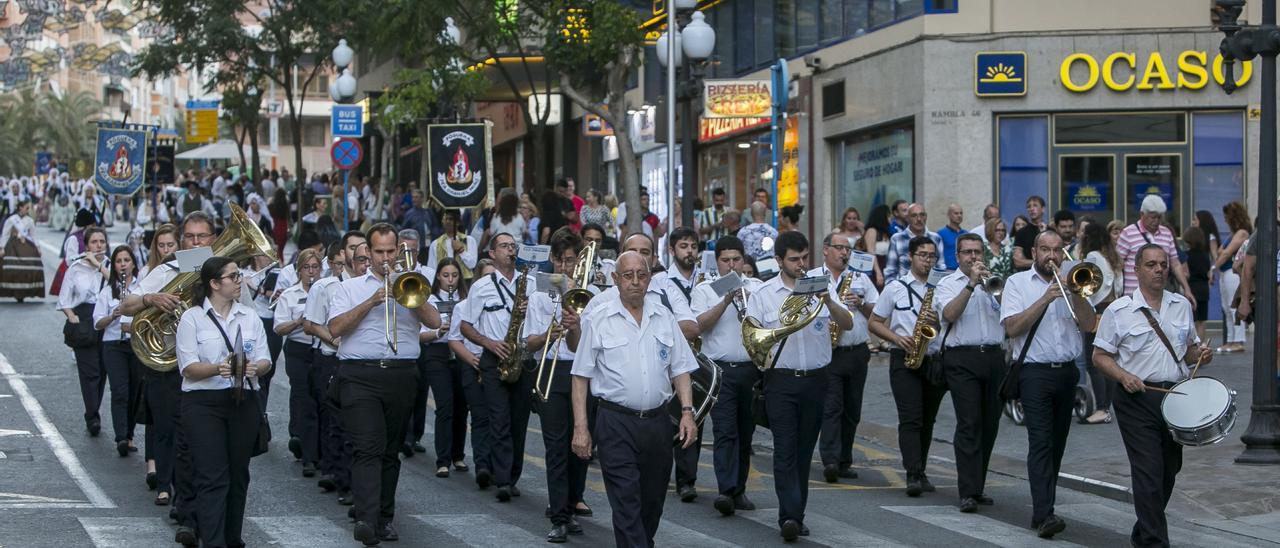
(346,190)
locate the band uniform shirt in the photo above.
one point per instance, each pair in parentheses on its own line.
(631,364)
(724,341)
(461,310)
(368,339)
(435,299)
(808,348)
(105,305)
(542,311)
(199,340)
(1057,338)
(255,295)
(1125,332)
(978,324)
(900,304)
(898,264)
(493,299)
(156,279)
(442,248)
(861,283)
(682,286)
(319,300)
(291,306)
(660,293)
(80,286)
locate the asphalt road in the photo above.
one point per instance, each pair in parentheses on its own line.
(61,488)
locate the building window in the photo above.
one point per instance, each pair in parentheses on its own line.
(942,6)
(745,33)
(314,132)
(1217,172)
(831,21)
(856,17)
(763,26)
(1123,127)
(806,20)
(1024,162)
(874,167)
(833,99)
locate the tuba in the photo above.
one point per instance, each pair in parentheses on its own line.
(575,299)
(923,334)
(797,312)
(155,331)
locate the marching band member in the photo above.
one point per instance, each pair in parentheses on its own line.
(795,386)
(1038,318)
(683,244)
(84,278)
(566,472)
(261,289)
(123,369)
(287,322)
(454,245)
(486,324)
(220,431)
(437,373)
(660,287)
(848,372)
(1130,351)
(468,358)
(629,356)
(163,243)
(973,358)
(917,399)
(162,387)
(376,382)
(732,420)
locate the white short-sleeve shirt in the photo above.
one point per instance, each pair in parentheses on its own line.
(368,339)
(808,348)
(861,285)
(291,306)
(200,340)
(1057,339)
(979,323)
(1125,331)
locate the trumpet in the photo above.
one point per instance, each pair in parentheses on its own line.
(403,284)
(991,283)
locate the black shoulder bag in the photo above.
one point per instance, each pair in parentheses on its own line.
(263,443)
(1010,388)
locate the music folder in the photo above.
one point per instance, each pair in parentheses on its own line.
(810,285)
(726,283)
(190,260)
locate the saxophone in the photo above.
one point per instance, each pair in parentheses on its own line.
(842,291)
(922,335)
(509,369)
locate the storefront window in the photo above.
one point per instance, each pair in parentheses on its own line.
(1088,185)
(1218,162)
(1024,162)
(1137,128)
(876,167)
(1152,174)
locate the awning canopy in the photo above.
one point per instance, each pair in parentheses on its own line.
(221,150)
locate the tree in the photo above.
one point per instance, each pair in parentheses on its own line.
(42,121)
(595,48)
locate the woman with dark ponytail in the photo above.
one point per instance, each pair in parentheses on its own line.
(124,371)
(220,431)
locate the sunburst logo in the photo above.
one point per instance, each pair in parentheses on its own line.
(1088,191)
(1000,73)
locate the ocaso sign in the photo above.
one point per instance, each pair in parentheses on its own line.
(1123,71)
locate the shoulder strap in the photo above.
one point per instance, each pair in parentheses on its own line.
(221,331)
(912,295)
(662,294)
(1155,325)
(1031,335)
(1143,233)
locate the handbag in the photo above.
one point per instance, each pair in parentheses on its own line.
(82,334)
(1011,387)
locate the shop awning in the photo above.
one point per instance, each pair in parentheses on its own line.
(222,150)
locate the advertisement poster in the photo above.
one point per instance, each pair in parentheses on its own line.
(789,182)
(737,99)
(878,170)
(1089,196)
(1152,175)
(461,164)
(119,166)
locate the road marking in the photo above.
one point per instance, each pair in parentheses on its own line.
(303,532)
(6,433)
(97,497)
(977,526)
(481,530)
(1106,517)
(828,531)
(128,532)
(669,532)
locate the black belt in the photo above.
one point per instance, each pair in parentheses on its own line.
(120,342)
(1163,384)
(977,348)
(646,414)
(385,364)
(849,348)
(1053,365)
(732,365)
(797,372)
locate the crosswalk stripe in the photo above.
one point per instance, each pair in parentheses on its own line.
(481,530)
(827,531)
(977,526)
(128,532)
(303,532)
(669,533)
(1106,517)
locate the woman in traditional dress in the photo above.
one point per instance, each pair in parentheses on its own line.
(22,273)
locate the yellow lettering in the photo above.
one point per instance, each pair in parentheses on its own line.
(1155,68)
(1246,72)
(1192,63)
(1107,76)
(1065,72)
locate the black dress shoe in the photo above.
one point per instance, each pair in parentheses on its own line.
(122,448)
(388,533)
(185,536)
(308,470)
(515,491)
(984,499)
(558,534)
(406,450)
(504,494)
(173,515)
(345,498)
(364,533)
(968,505)
(1051,525)
(483,477)
(831,473)
(926,484)
(151,481)
(914,487)
(790,530)
(351,513)
(327,484)
(804,530)
(295,447)
(418,447)
(741,502)
(584,510)
(687,493)
(95,426)
(848,473)
(723,504)
(574,527)
(133,448)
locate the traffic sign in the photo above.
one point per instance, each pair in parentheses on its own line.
(201,122)
(347,121)
(346,153)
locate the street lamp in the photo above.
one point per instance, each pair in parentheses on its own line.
(343,88)
(695,42)
(1262,439)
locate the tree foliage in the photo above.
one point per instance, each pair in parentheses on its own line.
(45,122)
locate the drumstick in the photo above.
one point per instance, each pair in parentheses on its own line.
(1165,390)
(1199,359)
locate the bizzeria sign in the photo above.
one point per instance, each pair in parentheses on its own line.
(1126,71)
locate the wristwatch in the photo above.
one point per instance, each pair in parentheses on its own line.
(686,409)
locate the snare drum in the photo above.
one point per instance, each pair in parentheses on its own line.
(1203,414)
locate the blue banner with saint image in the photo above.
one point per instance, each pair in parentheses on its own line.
(120,164)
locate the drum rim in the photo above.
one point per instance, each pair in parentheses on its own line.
(1230,404)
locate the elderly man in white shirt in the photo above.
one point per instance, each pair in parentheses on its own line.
(1144,340)
(630,356)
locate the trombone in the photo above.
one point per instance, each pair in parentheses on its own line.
(1084,279)
(576,299)
(406,286)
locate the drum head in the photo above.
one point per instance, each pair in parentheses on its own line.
(1204,401)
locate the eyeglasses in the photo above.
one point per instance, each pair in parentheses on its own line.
(234,276)
(926,256)
(840,247)
(634,275)
(196,237)
(505,245)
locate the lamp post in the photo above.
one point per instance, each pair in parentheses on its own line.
(343,90)
(695,43)
(1262,439)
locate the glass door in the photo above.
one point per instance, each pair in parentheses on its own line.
(1152,174)
(1087,185)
